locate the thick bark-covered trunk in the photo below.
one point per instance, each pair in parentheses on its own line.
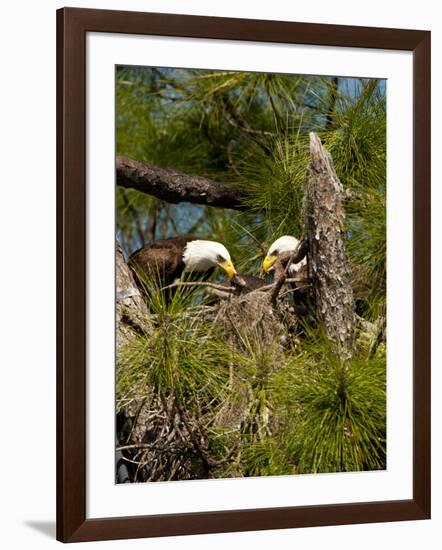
(329,267)
(131,311)
(172,186)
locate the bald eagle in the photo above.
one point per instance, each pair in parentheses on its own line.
(169,258)
(280,253)
(277,259)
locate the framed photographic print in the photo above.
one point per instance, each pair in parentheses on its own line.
(243,274)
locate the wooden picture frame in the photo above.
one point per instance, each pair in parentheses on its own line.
(72,26)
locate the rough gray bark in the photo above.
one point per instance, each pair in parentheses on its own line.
(328,264)
(172,186)
(131,311)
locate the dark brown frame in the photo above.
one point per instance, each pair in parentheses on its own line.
(72,26)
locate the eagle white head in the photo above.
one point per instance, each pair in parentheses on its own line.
(200,256)
(284,244)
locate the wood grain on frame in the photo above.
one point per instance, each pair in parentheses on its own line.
(72,25)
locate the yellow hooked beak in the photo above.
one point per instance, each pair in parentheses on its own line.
(228,268)
(268,262)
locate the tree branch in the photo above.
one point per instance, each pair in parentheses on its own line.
(200,283)
(172,186)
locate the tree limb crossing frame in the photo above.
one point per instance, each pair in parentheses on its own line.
(173,186)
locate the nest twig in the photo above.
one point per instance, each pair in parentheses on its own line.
(200,283)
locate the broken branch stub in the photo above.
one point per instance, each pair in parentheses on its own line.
(328,263)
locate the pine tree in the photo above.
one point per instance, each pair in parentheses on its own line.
(206,396)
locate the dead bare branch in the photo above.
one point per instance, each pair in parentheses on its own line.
(200,283)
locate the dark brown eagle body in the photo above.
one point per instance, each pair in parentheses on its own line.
(162,260)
